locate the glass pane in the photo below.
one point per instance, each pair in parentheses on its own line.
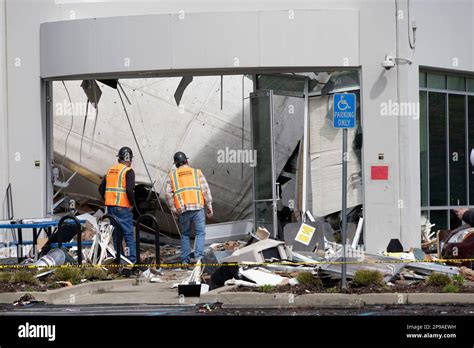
(422,79)
(457,150)
(440,219)
(470,129)
(423,150)
(264,215)
(437,81)
(281,83)
(456,83)
(261,136)
(437,144)
(470,85)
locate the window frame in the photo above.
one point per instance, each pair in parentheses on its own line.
(423,87)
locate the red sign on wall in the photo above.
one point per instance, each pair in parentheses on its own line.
(379,172)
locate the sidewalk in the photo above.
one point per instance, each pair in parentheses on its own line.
(129,291)
(132,291)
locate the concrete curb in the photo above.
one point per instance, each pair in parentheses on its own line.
(213,296)
(285,300)
(384,299)
(63,296)
(432,298)
(231,299)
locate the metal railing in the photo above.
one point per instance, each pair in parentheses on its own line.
(77,225)
(157,236)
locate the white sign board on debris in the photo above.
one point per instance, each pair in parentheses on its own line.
(262,277)
(305,234)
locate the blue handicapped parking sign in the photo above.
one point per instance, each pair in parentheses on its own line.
(344,110)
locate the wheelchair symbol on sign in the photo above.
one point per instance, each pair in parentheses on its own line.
(342,104)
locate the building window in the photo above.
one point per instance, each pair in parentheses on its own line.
(446,140)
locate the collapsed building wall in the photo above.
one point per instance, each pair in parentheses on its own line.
(207,126)
(200,126)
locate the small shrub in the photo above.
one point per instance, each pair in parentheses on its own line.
(266,288)
(54,286)
(439,279)
(5,277)
(458,279)
(367,277)
(450,288)
(334,289)
(95,273)
(68,274)
(307,278)
(23,277)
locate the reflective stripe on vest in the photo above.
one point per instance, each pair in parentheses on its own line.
(186,187)
(116,186)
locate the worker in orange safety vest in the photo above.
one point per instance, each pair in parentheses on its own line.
(117,190)
(188,195)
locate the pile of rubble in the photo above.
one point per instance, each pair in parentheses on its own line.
(261,261)
(254,259)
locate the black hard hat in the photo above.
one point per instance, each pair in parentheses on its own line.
(125,154)
(179,157)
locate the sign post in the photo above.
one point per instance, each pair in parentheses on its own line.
(344,108)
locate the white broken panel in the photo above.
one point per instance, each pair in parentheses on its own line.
(262,277)
(288,127)
(326,161)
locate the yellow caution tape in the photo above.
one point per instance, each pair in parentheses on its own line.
(239,264)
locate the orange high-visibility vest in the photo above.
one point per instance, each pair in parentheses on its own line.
(186,187)
(115,188)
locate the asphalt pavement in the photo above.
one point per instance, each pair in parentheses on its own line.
(216,310)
